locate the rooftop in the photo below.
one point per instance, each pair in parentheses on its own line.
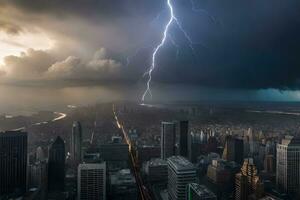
(180,163)
(13,133)
(201,190)
(122,177)
(157,162)
(291,141)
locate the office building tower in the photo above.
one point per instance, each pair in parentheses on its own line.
(241,187)
(115,155)
(199,192)
(270,148)
(168,131)
(218,172)
(40,154)
(253,143)
(246,145)
(76,143)
(183,138)
(212,144)
(146,152)
(123,185)
(288,165)
(56,165)
(156,170)
(194,147)
(233,149)
(181,172)
(13,162)
(269,164)
(92,181)
(247,182)
(38,178)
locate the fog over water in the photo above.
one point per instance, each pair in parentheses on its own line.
(22,100)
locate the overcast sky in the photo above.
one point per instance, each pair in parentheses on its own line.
(238,45)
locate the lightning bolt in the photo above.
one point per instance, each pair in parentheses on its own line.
(171,20)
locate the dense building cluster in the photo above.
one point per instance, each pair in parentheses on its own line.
(160,158)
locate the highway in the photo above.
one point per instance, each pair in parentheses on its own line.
(142,189)
(59,116)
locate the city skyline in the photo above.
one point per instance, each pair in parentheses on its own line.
(149,100)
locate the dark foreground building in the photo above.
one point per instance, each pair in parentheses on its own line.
(183,141)
(13,162)
(56,165)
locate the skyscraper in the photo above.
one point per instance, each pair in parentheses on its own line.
(288,165)
(181,172)
(40,154)
(247,182)
(199,192)
(183,138)
(168,130)
(233,149)
(38,177)
(76,140)
(13,162)
(92,181)
(123,185)
(269,164)
(156,170)
(194,147)
(56,165)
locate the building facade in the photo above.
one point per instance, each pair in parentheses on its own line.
(156,170)
(183,138)
(247,182)
(181,172)
(76,143)
(288,165)
(199,192)
(233,149)
(56,165)
(168,133)
(92,181)
(13,162)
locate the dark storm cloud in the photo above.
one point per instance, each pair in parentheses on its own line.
(254,44)
(104,8)
(10,27)
(239,44)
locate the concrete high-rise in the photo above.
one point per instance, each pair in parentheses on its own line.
(13,162)
(92,181)
(288,165)
(76,141)
(168,131)
(183,138)
(247,182)
(156,170)
(56,165)
(38,177)
(181,172)
(123,185)
(194,147)
(233,149)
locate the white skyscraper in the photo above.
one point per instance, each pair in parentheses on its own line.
(288,165)
(92,181)
(168,130)
(76,140)
(181,172)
